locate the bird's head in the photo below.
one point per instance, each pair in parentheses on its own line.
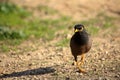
(78,28)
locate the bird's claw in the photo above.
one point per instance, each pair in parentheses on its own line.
(77,63)
(82,71)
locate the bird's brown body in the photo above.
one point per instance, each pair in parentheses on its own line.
(79,49)
(80,43)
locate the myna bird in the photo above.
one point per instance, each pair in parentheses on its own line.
(80,44)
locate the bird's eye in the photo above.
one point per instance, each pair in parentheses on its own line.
(80,28)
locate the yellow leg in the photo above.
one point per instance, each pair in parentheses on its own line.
(78,64)
(81,62)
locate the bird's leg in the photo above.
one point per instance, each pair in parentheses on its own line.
(75,62)
(81,62)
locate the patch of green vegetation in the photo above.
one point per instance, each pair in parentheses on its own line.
(8,8)
(45,28)
(4,48)
(14,26)
(6,45)
(11,19)
(12,15)
(38,29)
(93,30)
(107,21)
(63,42)
(7,33)
(107,25)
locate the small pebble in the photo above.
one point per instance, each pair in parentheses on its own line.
(117,76)
(113,68)
(103,59)
(81,74)
(31,64)
(106,52)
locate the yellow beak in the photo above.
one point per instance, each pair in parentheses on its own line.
(76,30)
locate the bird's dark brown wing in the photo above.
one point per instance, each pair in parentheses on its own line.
(88,45)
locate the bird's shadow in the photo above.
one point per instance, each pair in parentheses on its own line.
(38,71)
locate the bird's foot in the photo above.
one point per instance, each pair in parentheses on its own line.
(82,70)
(74,63)
(77,63)
(80,63)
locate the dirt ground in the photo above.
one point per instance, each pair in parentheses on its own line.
(39,60)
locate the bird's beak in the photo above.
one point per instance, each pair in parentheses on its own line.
(76,30)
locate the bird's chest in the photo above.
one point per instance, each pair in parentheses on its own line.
(80,40)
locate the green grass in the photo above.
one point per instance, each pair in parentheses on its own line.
(13,23)
(93,30)
(4,48)
(63,42)
(14,26)
(12,15)
(45,28)
(11,20)
(7,33)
